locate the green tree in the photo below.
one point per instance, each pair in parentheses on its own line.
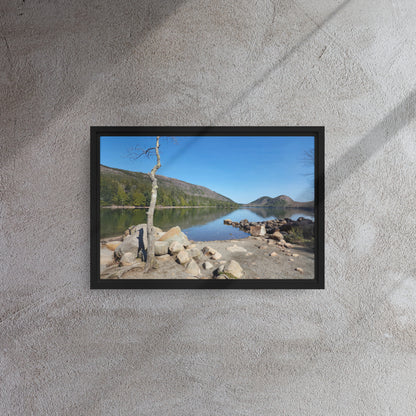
(121,198)
(138,199)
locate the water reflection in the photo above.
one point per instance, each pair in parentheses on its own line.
(199,224)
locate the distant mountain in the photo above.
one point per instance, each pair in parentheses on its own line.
(126,188)
(280,201)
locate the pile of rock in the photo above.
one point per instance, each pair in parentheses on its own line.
(273,228)
(174,244)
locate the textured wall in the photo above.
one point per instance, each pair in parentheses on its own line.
(347,350)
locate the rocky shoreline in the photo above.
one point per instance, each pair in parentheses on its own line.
(275,228)
(263,255)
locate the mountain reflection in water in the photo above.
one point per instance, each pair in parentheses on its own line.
(199,224)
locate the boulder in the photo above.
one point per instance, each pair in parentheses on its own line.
(233,268)
(208,250)
(221,277)
(175,247)
(228,222)
(277,235)
(161,248)
(274,254)
(220,269)
(236,249)
(130,244)
(216,256)
(174,231)
(207,265)
(140,230)
(158,232)
(257,230)
(295,255)
(192,268)
(112,245)
(183,257)
(106,256)
(136,228)
(194,252)
(211,252)
(298,269)
(127,259)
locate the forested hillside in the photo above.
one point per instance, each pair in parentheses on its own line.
(122,187)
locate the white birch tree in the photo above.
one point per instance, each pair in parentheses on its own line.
(136,153)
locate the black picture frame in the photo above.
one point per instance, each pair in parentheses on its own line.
(317,283)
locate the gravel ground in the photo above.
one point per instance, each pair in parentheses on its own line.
(252,253)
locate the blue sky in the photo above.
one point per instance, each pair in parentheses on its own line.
(241,168)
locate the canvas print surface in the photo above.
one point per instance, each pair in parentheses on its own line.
(207,207)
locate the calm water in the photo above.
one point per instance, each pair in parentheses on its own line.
(199,224)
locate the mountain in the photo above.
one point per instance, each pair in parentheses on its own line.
(280,201)
(123,187)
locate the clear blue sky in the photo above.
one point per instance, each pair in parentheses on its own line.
(241,168)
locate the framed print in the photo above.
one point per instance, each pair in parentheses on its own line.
(207,207)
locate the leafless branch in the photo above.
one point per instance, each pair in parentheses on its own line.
(137,152)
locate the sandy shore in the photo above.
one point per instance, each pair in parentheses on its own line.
(260,258)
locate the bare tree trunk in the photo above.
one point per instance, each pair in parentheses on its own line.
(150,257)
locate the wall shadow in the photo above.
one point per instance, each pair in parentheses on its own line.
(64,57)
(373,141)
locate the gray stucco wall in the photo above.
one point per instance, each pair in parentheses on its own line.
(348,350)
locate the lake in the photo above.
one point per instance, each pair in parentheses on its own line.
(199,224)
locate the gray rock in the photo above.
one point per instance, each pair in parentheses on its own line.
(207,265)
(220,269)
(183,257)
(175,247)
(130,244)
(277,235)
(221,277)
(174,231)
(180,238)
(161,248)
(106,256)
(208,250)
(216,256)
(158,232)
(192,268)
(257,230)
(127,259)
(194,252)
(233,268)
(236,249)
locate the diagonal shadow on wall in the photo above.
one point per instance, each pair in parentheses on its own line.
(242,95)
(373,141)
(69,50)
